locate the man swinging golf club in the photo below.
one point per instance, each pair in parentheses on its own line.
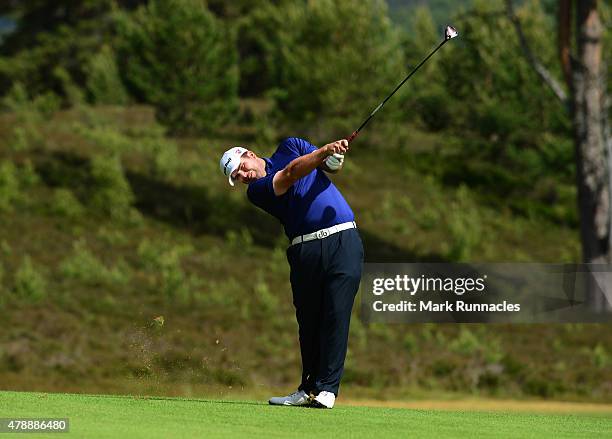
(325,255)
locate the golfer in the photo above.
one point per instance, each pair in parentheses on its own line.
(325,255)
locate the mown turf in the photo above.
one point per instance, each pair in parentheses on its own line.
(114,417)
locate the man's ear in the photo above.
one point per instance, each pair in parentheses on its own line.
(250,154)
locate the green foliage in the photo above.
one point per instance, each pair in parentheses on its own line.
(164,263)
(163,156)
(29,113)
(9,186)
(27,175)
(1,283)
(65,203)
(241,241)
(182,60)
(506,134)
(601,357)
(337,60)
(30,283)
(464,226)
(26,136)
(16,99)
(20,140)
(112,236)
(267,302)
(110,194)
(496,92)
(106,138)
(103,79)
(423,94)
(261,40)
(403,11)
(51,36)
(30,109)
(83,265)
(72,92)
(466,343)
(161,153)
(223,294)
(47,103)
(410,343)
(5,248)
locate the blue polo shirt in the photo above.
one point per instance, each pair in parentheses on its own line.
(312,203)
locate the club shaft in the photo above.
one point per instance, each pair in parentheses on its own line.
(365,122)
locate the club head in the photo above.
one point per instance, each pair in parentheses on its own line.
(450,33)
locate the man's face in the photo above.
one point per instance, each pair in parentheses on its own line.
(249,169)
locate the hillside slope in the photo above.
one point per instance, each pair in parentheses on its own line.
(131,266)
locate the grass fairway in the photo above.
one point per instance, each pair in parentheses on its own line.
(117,416)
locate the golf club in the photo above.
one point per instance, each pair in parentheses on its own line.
(449,33)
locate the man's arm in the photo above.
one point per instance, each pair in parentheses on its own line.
(304,165)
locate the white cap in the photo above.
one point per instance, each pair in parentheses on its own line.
(230,161)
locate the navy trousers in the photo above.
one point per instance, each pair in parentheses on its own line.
(325,276)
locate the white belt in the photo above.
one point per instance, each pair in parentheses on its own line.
(324,233)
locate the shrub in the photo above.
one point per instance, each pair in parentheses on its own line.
(103,80)
(9,186)
(2,295)
(464,226)
(47,103)
(84,266)
(64,203)
(267,301)
(106,138)
(177,56)
(30,113)
(466,343)
(112,236)
(5,248)
(74,95)
(17,99)
(161,153)
(164,262)
(241,241)
(27,175)
(410,343)
(21,140)
(111,193)
(163,156)
(601,357)
(30,284)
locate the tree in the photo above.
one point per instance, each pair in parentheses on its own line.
(337,59)
(175,55)
(51,36)
(508,130)
(592,138)
(587,86)
(585,76)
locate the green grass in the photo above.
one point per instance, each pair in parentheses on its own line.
(141,417)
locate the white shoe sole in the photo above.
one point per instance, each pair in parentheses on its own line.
(319,405)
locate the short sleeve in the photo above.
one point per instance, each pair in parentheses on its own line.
(298,146)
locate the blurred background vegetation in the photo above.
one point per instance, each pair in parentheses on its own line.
(128,265)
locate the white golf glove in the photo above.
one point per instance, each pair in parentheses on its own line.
(334,162)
